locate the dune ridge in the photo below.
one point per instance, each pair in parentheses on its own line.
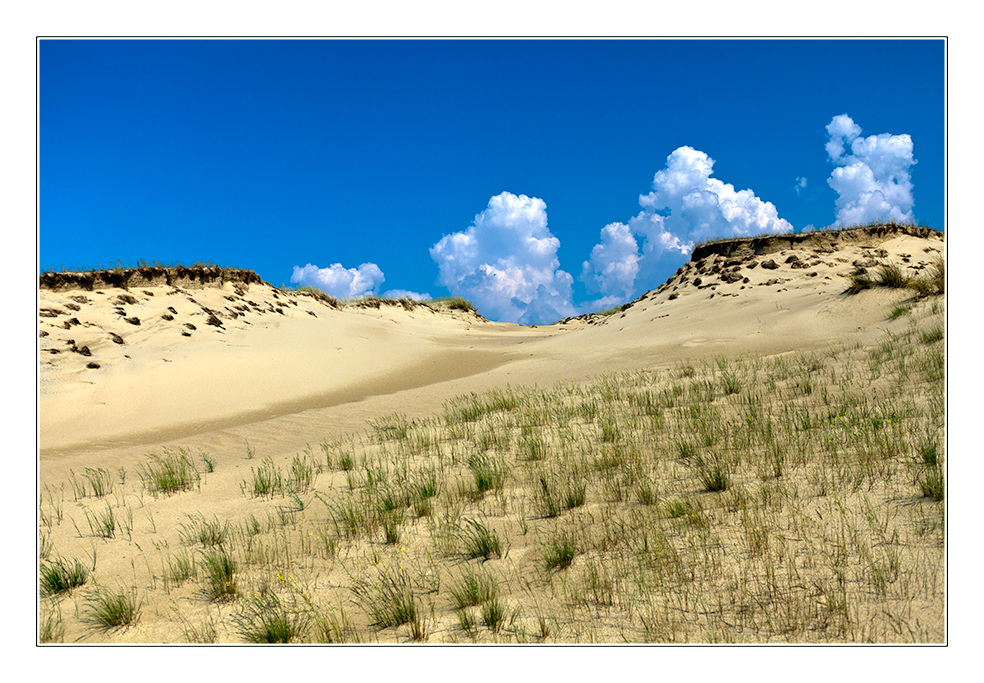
(829,239)
(147,276)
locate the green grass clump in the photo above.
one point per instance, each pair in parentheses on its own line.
(932,483)
(480,541)
(267,480)
(302,473)
(171,472)
(200,531)
(713,473)
(61,576)
(858,281)
(51,627)
(267,619)
(473,589)
(100,480)
(108,609)
(391,601)
(899,311)
(933,283)
(891,275)
(488,471)
(494,614)
(457,303)
(555,494)
(559,553)
(102,524)
(220,572)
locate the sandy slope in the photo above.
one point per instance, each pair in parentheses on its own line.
(282,372)
(171,374)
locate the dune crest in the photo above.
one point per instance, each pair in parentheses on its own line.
(141,354)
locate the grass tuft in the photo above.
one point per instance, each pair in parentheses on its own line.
(61,576)
(391,601)
(559,553)
(479,541)
(108,609)
(169,473)
(220,572)
(267,619)
(891,275)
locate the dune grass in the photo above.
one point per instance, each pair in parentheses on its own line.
(892,276)
(783,499)
(108,609)
(170,472)
(61,576)
(452,303)
(268,619)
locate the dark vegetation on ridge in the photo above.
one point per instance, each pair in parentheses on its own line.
(146,276)
(768,244)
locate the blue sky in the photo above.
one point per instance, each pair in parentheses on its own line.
(538,178)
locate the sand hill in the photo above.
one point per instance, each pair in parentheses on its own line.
(225,366)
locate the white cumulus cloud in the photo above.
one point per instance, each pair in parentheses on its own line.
(614,262)
(872,178)
(338,281)
(405,294)
(506,263)
(687,204)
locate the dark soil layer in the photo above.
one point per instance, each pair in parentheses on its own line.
(148,276)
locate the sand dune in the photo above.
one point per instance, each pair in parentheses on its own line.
(131,364)
(155,361)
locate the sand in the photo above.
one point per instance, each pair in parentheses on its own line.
(227,364)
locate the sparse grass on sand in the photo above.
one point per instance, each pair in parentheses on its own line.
(108,609)
(61,576)
(892,276)
(453,303)
(795,498)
